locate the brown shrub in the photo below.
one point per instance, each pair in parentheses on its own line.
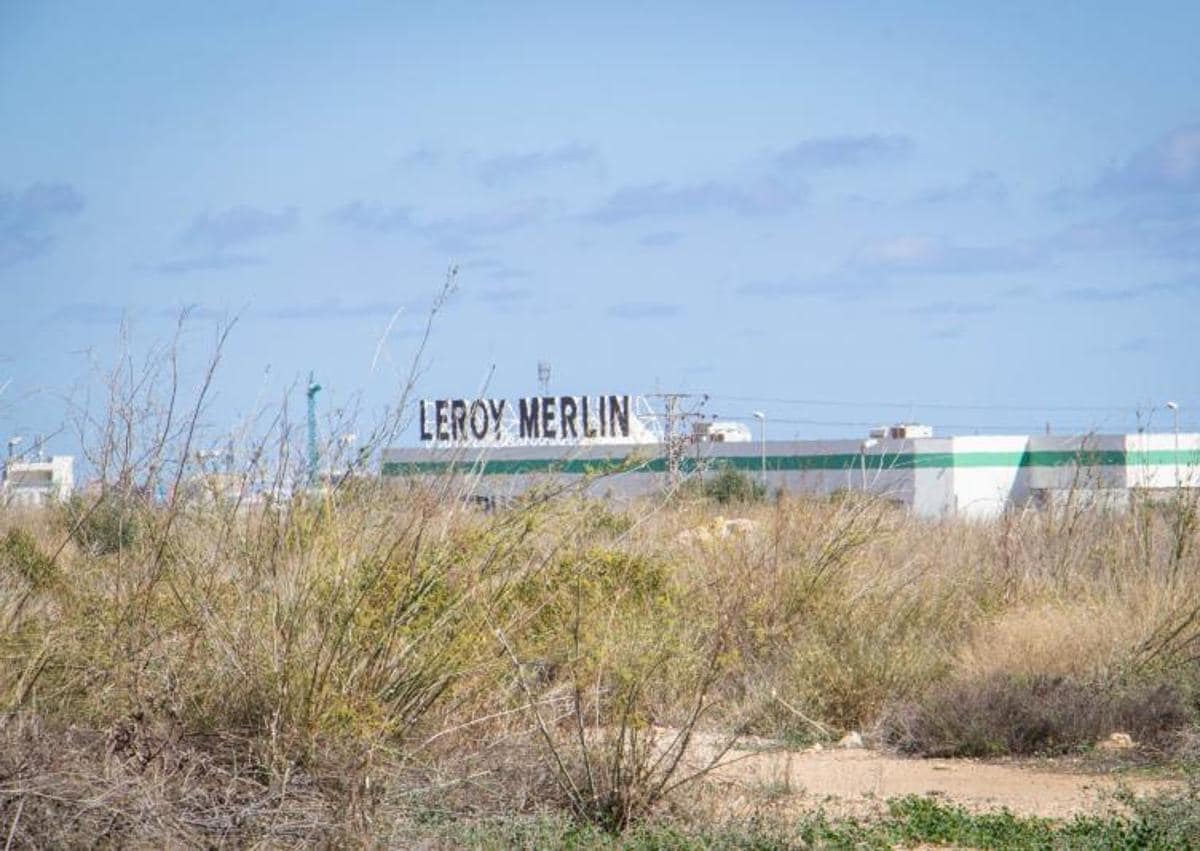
(1040,715)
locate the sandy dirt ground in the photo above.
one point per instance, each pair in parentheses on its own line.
(844,781)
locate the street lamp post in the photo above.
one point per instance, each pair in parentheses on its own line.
(762,445)
(12,448)
(1173,407)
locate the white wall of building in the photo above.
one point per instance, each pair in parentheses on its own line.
(1061,462)
(1162,460)
(989,474)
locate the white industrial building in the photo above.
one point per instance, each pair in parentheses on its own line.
(936,476)
(37,482)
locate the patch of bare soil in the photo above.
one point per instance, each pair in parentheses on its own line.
(849,781)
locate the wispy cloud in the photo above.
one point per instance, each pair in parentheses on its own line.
(828,152)
(504,296)
(509,167)
(644,310)
(194,311)
(1181,286)
(111,313)
(492,269)
(422,157)
(934,256)
(28,219)
(769,186)
(1163,225)
(213,234)
(1018,291)
(1136,345)
(954,308)
(332,308)
(458,233)
(1151,202)
(789,287)
(104,313)
(980,187)
(660,238)
(374,217)
(1169,165)
(1100,294)
(212,262)
(881,265)
(211,240)
(502,219)
(665,200)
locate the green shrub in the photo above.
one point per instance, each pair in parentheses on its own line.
(20,553)
(108,525)
(730,485)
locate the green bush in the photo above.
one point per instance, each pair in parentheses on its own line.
(20,553)
(109,525)
(730,485)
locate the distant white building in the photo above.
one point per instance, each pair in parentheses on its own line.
(37,482)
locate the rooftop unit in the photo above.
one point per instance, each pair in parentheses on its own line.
(902,431)
(721,431)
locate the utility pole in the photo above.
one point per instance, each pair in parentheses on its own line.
(670,412)
(762,444)
(674,437)
(313,456)
(1173,407)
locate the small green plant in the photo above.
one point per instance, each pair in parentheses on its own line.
(1159,824)
(731,485)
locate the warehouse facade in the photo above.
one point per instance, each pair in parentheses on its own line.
(978,476)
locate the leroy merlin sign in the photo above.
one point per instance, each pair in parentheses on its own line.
(534,417)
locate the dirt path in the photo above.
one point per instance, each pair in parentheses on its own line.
(847,780)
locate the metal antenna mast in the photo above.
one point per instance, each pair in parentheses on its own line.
(313,456)
(544,377)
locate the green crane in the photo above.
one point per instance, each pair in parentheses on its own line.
(313,455)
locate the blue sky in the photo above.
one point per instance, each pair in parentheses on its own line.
(983,216)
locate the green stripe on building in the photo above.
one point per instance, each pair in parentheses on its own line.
(802,463)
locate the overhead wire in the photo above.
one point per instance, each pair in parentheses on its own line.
(947,406)
(1125,414)
(1016,428)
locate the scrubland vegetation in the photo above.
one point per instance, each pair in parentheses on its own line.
(234,662)
(338,665)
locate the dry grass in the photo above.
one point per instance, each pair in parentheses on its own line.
(212,668)
(344,662)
